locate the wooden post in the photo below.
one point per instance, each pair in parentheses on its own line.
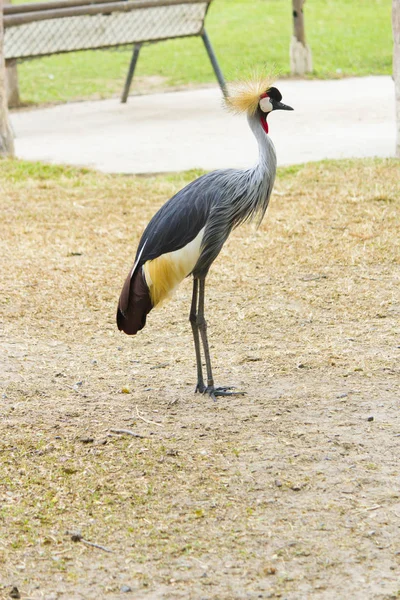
(300,53)
(396,66)
(13,98)
(6,136)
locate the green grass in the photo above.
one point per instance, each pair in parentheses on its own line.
(347,37)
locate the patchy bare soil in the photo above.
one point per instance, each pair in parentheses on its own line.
(291,491)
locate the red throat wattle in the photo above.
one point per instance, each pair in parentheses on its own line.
(264,115)
(264,123)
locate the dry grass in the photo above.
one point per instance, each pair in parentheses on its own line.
(289,492)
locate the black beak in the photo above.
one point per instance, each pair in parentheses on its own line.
(279,105)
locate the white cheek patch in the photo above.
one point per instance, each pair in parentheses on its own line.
(265,105)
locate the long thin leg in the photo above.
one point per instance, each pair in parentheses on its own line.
(214,62)
(131,71)
(203,332)
(196,338)
(202,325)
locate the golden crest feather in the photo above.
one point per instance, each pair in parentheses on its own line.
(244,96)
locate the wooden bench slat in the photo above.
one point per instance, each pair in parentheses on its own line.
(12,9)
(92,9)
(34,6)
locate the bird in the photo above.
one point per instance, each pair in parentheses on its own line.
(187,233)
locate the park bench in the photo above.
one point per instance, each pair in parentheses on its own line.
(33,30)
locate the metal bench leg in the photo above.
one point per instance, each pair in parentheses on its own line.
(131,71)
(214,62)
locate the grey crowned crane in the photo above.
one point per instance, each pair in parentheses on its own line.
(186,235)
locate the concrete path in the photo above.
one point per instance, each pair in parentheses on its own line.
(184,130)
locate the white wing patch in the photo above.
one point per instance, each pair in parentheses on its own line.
(137,260)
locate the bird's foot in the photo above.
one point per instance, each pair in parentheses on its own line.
(213,392)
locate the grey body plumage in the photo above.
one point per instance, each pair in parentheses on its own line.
(219,201)
(242,195)
(210,206)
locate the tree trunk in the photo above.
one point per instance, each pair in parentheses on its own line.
(396,66)
(6,136)
(300,53)
(13,98)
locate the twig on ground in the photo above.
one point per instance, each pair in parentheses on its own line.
(160,366)
(139,416)
(128,432)
(369,508)
(203,566)
(96,546)
(77,537)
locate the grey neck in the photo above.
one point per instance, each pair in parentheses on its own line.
(267,155)
(260,179)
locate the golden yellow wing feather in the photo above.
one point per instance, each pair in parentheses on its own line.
(164,273)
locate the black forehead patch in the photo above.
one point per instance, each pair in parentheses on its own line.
(275,94)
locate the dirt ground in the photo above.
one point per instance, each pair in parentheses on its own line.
(291,491)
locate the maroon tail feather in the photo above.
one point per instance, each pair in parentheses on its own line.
(134,304)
